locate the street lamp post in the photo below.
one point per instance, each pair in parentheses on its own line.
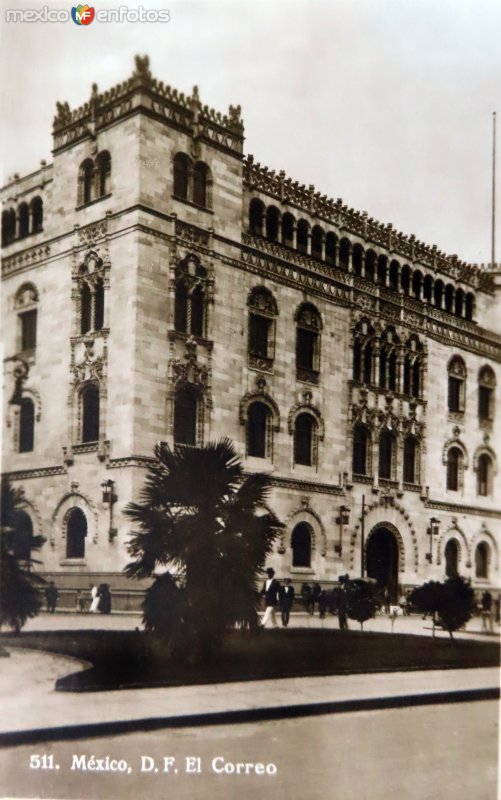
(109,499)
(342,519)
(433,529)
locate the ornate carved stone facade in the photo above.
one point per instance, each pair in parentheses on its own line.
(358,366)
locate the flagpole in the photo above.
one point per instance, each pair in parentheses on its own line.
(493,243)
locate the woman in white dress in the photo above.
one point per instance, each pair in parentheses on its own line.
(94,600)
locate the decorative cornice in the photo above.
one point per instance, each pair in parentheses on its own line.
(455,508)
(306,486)
(41,472)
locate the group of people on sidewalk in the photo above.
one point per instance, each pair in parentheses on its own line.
(99,599)
(276,594)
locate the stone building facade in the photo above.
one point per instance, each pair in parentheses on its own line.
(160,285)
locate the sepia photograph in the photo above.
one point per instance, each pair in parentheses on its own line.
(251,407)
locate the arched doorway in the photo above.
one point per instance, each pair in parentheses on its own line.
(382,560)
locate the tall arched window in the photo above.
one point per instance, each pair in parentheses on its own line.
(344,253)
(301,540)
(36,206)
(182,167)
(272,223)
(262,313)
(90,413)
(357,258)
(24,219)
(26,426)
(201,182)
(99,305)
(103,165)
(388,361)
(454,463)
(484,475)
(185,416)
(308,327)
(86,181)
(76,532)
(288,223)
(302,236)
(197,311)
(257,428)
(410,459)
(357,360)
(85,308)
(8,226)
(317,239)
(361,444)
(181,307)
(486,387)
(386,454)
(23,536)
(482,560)
(456,385)
(330,249)
(451,555)
(368,363)
(256,216)
(303,439)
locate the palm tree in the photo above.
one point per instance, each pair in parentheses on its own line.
(19,596)
(201,517)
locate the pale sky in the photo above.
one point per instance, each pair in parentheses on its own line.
(385,103)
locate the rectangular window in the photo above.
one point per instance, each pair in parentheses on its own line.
(29,330)
(484,402)
(454,399)
(258,335)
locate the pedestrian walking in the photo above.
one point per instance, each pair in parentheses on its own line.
(51,596)
(271,592)
(286,601)
(94,599)
(104,598)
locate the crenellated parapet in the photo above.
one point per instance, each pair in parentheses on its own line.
(305,198)
(142,92)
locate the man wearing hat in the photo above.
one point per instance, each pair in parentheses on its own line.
(286,601)
(271,592)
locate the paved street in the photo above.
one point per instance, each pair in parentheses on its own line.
(431,753)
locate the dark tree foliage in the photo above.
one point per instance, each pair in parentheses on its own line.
(361,600)
(19,595)
(163,605)
(199,516)
(449,603)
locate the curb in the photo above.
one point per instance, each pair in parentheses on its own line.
(102,729)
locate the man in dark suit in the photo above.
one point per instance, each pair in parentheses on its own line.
(271,592)
(286,601)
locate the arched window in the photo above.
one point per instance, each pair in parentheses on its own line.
(185,416)
(482,560)
(449,298)
(257,428)
(370,265)
(469,306)
(256,216)
(23,536)
(36,214)
(99,305)
(301,545)
(438,293)
(28,330)
(454,464)
(26,426)
(357,360)
(302,236)
(272,223)
(456,385)
(382,266)
(90,413)
(76,532)
(361,445)
(86,182)
(417,281)
(181,307)
(308,326)
(24,220)
(317,239)
(368,363)
(459,303)
(386,454)
(85,308)
(357,258)
(262,313)
(428,288)
(344,253)
(182,167)
(451,555)
(288,229)
(410,460)
(303,439)
(197,311)
(8,226)
(201,184)
(405,279)
(103,174)
(484,475)
(486,387)
(330,249)
(392,371)
(394,275)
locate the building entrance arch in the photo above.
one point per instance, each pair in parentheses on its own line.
(382,560)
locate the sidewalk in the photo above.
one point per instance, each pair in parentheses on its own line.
(39,713)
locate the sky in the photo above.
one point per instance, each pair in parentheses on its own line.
(385,103)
